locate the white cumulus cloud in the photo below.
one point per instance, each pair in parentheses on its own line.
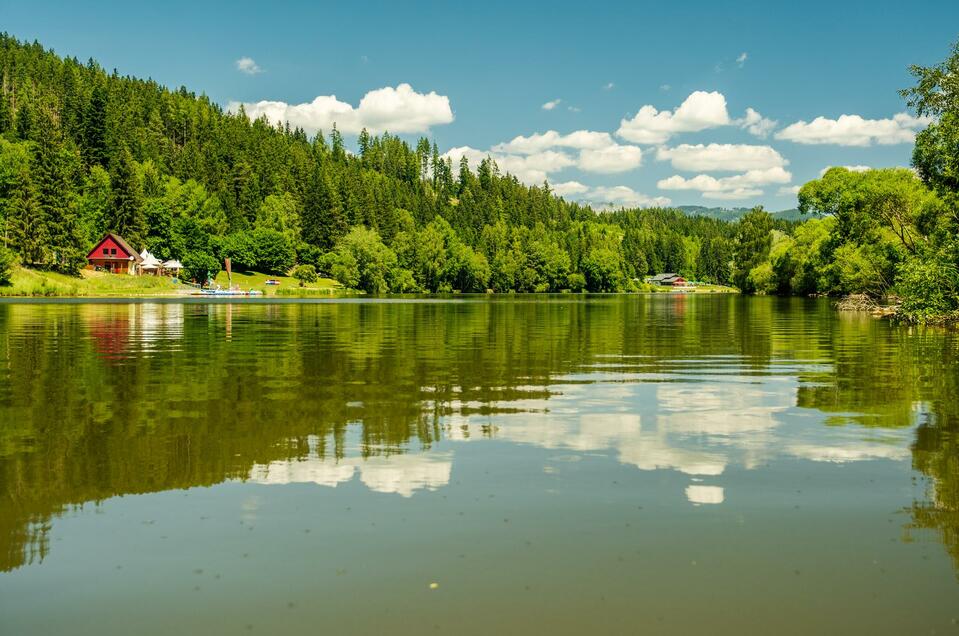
(622,196)
(756,124)
(569,188)
(720,157)
(699,111)
(854,130)
(610,160)
(740,186)
(538,142)
(248,65)
(550,105)
(397,110)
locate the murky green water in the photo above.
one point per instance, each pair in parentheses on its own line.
(625,464)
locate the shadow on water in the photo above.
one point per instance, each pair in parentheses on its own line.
(100,400)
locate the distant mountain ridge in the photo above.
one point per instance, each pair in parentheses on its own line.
(734,214)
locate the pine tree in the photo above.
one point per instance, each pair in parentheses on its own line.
(465,175)
(95,128)
(127,218)
(336,144)
(435,163)
(6,118)
(25,229)
(323,219)
(63,248)
(24,127)
(363,141)
(423,158)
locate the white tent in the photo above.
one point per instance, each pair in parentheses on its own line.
(150,262)
(173,265)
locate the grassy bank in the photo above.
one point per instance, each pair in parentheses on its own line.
(35,283)
(30,282)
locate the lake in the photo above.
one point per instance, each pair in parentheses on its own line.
(667,464)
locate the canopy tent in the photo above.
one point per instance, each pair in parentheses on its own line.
(173,265)
(150,262)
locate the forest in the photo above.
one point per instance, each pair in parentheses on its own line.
(84,151)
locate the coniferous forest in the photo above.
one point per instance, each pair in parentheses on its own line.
(84,151)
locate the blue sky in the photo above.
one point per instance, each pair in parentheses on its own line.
(479,75)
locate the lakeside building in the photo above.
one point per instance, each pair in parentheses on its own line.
(114,255)
(667,280)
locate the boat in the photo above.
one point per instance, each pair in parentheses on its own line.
(227,292)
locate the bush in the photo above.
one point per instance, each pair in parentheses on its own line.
(305,274)
(576,282)
(6,265)
(929,288)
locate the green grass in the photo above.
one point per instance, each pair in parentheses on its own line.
(31,282)
(288,286)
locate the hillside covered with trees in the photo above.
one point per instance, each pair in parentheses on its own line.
(84,151)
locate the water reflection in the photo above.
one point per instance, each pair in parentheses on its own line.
(399,474)
(99,400)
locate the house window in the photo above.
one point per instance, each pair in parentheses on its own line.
(113,251)
(106,251)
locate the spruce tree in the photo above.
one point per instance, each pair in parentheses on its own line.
(6,117)
(95,128)
(25,230)
(24,128)
(64,243)
(363,141)
(127,218)
(337,146)
(323,219)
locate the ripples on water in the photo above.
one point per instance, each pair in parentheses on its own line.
(624,437)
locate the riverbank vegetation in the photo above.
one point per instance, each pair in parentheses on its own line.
(84,151)
(31,282)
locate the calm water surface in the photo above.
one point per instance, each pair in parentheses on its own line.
(620,464)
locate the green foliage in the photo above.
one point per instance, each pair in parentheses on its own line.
(601,269)
(127,212)
(7,260)
(576,282)
(753,240)
(761,279)
(197,266)
(241,249)
(280,212)
(305,274)
(929,286)
(361,261)
(274,251)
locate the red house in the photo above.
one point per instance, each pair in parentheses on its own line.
(115,255)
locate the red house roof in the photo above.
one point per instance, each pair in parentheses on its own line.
(112,247)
